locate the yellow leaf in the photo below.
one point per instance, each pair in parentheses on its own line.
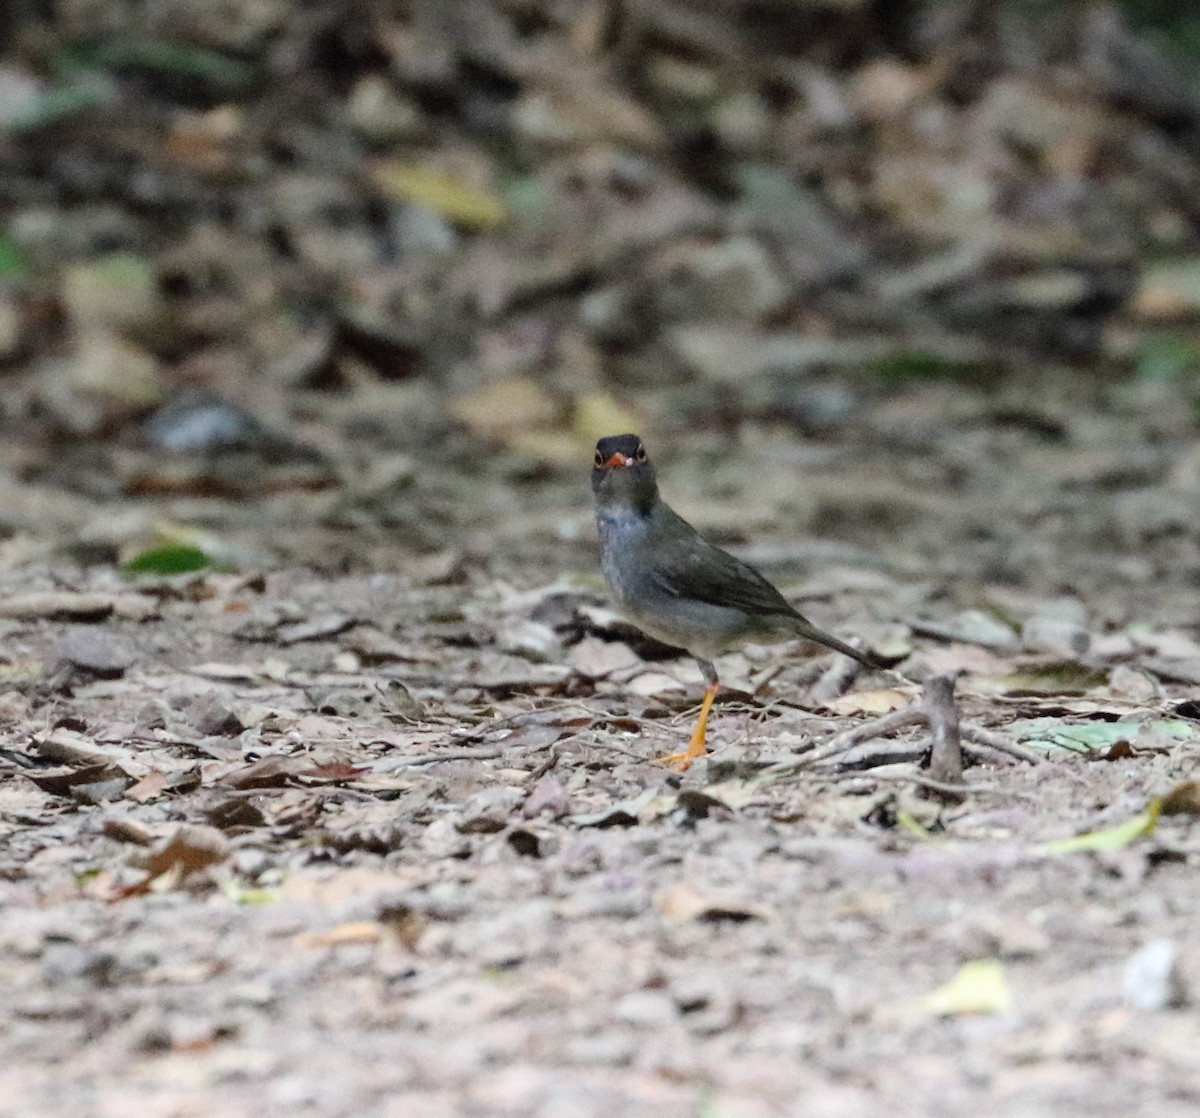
(440,191)
(1111,838)
(598,414)
(978,987)
(906,821)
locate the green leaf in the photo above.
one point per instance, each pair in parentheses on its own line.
(1167,357)
(53,105)
(906,821)
(168,559)
(1049,734)
(241,893)
(171,58)
(1111,838)
(13,264)
(921,365)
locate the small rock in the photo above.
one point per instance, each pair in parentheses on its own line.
(66,963)
(212,717)
(20,95)
(1152,979)
(1057,636)
(378,111)
(489,811)
(94,652)
(531,640)
(548,797)
(650,1008)
(199,422)
(420,231)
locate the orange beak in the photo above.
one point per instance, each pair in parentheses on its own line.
(617,459)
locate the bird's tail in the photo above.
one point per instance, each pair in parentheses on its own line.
(805,628)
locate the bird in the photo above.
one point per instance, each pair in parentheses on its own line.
(675,586)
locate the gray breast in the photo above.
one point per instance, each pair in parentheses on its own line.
(702,628)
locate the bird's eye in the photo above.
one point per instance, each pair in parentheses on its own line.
(599,459)
(640,453)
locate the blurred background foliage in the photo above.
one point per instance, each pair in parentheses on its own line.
(262,230)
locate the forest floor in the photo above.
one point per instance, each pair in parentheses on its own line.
(393,841)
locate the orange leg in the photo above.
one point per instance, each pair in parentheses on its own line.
(683,761)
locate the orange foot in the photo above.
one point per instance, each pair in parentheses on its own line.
(683,761)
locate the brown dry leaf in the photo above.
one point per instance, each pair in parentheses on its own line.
(1183,799)
(201,142)
(192,847)
(873,702)
(68,781)
(270,772)
(148,788)
(354,931)
(124,829)
(333,772)
(683,903)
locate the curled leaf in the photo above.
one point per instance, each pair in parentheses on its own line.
(1110,838)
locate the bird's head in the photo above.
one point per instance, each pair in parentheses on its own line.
(622,474)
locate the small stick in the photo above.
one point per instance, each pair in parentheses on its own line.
(1001,744)
(876,728)
(941,712)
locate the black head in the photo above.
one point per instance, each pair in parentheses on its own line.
(622,473)
(619,450)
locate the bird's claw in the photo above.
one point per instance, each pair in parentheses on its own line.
(681,762)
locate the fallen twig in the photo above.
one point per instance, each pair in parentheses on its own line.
(935,708)
(1001,745)
(941,712)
